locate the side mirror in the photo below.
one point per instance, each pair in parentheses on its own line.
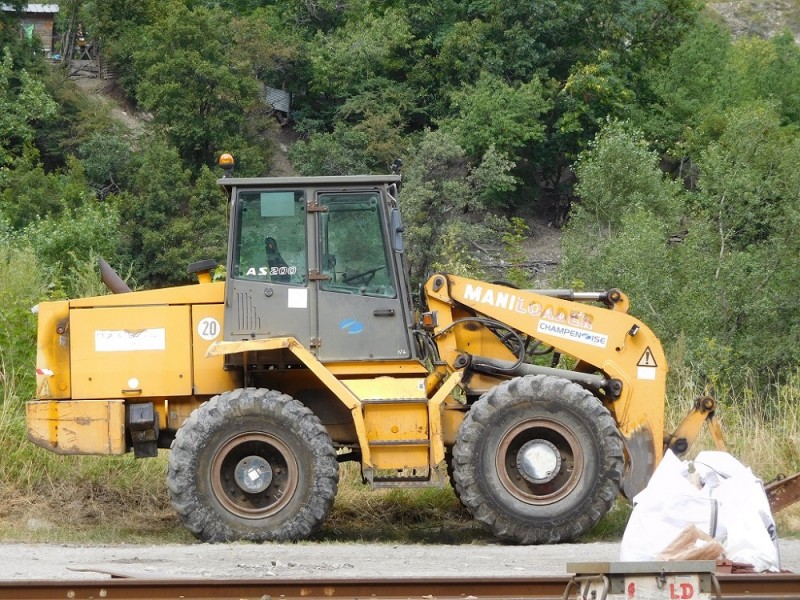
(397,231)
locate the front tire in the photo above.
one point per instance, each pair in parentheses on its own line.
(252,464)
(538,460)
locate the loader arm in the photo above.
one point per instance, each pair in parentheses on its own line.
(615,355)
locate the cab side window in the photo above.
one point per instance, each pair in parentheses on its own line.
(352,249)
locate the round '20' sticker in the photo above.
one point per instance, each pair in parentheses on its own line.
(208,328)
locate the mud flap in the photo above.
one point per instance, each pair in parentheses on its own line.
(640,462)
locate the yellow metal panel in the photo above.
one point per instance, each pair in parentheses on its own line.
(131,352)
(435,412)
(400,457)
(452,417)
(206,293)
(77,426)
(210,377)
(387,387)
(376,367)
(52,351)
(396,421)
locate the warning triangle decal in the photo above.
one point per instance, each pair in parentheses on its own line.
(647,359)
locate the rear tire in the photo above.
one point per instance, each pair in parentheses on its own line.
(538,460)
(252,464)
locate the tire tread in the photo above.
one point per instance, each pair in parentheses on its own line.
(199,517)
(536,389)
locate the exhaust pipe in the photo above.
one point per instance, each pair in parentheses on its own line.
(110,278)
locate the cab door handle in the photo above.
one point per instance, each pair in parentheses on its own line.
(383,312)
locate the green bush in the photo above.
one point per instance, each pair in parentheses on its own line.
(23,288)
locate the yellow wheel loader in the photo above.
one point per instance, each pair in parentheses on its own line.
(541,405)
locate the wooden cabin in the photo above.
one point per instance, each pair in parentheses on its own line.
(37,19)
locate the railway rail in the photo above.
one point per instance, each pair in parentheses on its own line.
(730,587)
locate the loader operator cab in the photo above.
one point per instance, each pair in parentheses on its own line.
(319,259)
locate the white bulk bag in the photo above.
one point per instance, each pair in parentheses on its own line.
(716,494)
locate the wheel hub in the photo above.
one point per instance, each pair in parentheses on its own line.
(538,461)
(253,474)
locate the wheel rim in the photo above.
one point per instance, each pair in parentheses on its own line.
(539,461)
(254,475)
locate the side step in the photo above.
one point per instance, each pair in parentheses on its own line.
(398,438)
(434,478)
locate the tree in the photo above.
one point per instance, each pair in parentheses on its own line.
(749,194)
(709,75)
(23,287)
(463,54)
(166,221)
(198,96)
(152,236)
(28,192)
(555,35)
(24,103)
(274,52)
(493,113)
(106,157)
(25,51)
(380,113)
(112,19)
(740,185)
(340,152)
(712,270)
(619,173)
(618,234)
(79,117)
(772,314)
(207,206)
(444,205)
(66,243)
(321,15)
(357,52)
(684,90)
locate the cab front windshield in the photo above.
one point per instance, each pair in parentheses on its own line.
(270,243)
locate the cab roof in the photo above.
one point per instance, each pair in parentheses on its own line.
(333,181)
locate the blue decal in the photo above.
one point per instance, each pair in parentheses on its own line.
(352,326)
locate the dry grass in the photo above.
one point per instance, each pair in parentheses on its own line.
(46,497)
(760,425)
(89,499)
(428,515)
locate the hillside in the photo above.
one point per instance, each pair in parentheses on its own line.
(764,19)
(542,247)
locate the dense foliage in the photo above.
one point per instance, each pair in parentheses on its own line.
(668,148)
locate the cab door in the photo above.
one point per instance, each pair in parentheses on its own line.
(267,292)
(361,313)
